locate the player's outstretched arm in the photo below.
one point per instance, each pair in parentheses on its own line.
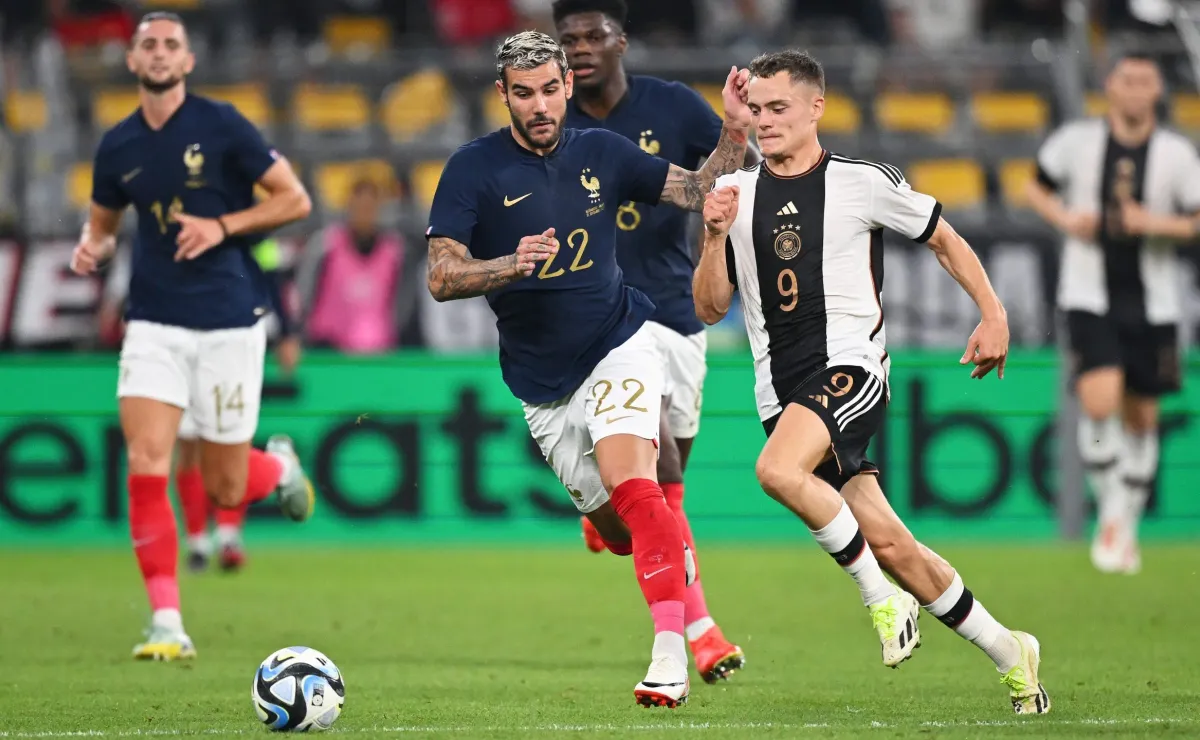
(97,241)
(454,274)
(687,189)
(712,290)
(987,348)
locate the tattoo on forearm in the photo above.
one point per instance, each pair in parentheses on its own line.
(687,189)
(454,274)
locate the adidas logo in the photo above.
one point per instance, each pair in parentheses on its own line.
(788,210)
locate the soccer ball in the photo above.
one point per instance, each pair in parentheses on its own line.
(298,689)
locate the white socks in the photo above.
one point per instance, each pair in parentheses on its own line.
(1136,469)
(958,610)
(670,643)
(167,619)
(1100,448)
(842,539)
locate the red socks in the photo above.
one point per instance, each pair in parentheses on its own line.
(232,517)
(155,543)
(657,549)
(695,606)
(190,485)
(263,477)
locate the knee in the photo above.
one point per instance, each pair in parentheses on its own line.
(773,476)
(225,488)
(149,456)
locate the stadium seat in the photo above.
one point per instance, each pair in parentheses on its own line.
(250,99)
(349,35)
(424,179)
(1185,111)
(842,115)
(958,184)
(495,113)
(1015,175)
(915,113)
(712,93)
(334,180)
(79,185)
(417,103)
(326,108)
(1010,112)
(25,111)
(1095,105)
(110,107)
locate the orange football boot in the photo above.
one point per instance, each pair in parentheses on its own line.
(716,658)
(591,537)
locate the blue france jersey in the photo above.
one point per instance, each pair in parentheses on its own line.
(558,323)
(204,162)
(672,121)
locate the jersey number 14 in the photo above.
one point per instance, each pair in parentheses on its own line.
(165,219)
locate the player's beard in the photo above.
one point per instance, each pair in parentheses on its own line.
(158,87)
(523,131)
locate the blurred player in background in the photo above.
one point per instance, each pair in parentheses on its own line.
(672,121)
(1124,192)
(574,345)
(194,338)
(801,236)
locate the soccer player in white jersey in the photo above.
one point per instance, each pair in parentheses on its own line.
(194,337)
(801,236)
(1123,191)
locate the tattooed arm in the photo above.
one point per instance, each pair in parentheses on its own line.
(454,274)
(687,189)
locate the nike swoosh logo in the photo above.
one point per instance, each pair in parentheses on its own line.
(508,202)
(130,175)
(619,418)
(648,576)
(144,541)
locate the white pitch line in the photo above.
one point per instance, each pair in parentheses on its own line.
(1030,722)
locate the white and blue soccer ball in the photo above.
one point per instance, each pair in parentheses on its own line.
(298,689)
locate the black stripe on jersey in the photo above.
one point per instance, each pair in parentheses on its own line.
(927,234)
(730,262)
(792,285)
(1045,180)
(877,275)
(890,172)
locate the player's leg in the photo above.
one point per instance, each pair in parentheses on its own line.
(228,387)
(800,439)
(1152,370)
(153,390)
(189,484)
(1099,387)
(923,573)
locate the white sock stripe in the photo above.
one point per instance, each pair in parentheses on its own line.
(866,406)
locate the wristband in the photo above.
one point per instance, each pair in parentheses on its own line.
(224,231)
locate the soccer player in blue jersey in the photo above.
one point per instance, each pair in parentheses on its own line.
(194,338)
(670,120)
(527,216)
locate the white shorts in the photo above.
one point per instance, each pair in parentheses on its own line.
(684,368)
(623,395)
(215,375)
(187,426)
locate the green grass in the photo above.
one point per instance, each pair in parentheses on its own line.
(524,643)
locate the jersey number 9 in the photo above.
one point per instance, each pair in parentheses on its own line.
(788,288)
(576,240)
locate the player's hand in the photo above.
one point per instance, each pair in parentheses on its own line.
(987,348)
(735,95)
(90,253)
(1135,219)
(288,353)
(196,236)
(1081,225)
(720,209)
(534,249)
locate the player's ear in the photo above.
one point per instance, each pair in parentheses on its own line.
(818,108)
(569,83)
(502,92)
(189,63)
(622,44)
(129,64)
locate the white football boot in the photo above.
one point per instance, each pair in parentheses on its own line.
(896,622)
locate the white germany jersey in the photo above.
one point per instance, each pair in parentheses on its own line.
(1132,279)
(806,254)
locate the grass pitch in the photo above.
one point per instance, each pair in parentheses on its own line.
(529,643)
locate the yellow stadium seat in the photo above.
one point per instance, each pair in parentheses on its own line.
(25,111)
(1010,112)
(712,93)
(79,185)
(956,183)
(494,110)
(841,114)
(417,103)
(347,34)
(250,100)
(336,179)
(1015,176)
(1095,105)
(110,107)
(919,113)
(1185,111)
(331,107)
(424,178)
